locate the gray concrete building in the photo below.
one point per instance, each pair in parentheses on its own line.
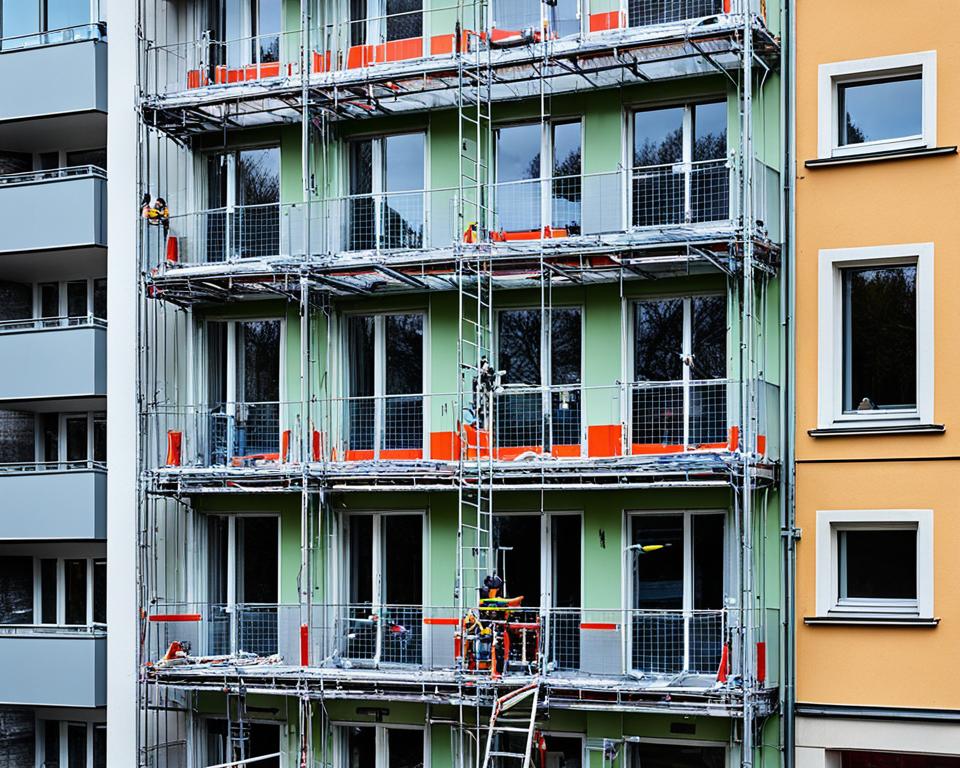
(53,352)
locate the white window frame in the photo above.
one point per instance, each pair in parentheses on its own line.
(234,356)
(830,335)
(831,522)
(341,753)
(61,591)
(831,75)
(42,723)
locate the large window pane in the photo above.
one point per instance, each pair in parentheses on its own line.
(405,748)
(100,298)
(878,565)
(516,541)
(99,746)
(880,109)
(567,182)
(880,338)
(518,174)
(519,345)
(76,745)
(77,298)
(100,438)
(258,420)
(648,755)
(361,407)
(257,224)
(658,136)
(363,225)
(75,591)
(361,748)
(360,557)
(402,217)
(403,427)
(658,340)
(404,19)
(51,744)
(268,23)
(100,591)
(710,131)
(76,438)
(657,573)
(48,590)
(20,17)
(65,13)
(16,590)
(257,559)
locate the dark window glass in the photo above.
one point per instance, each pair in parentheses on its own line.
(657,573)
(658,340)
(566,560)
(100,591)
(403,162)
(658,136)
(710,131)
(519,346)
(15,162)
(516,541)
(361,748)
(708,553)
(48,161)
(403,566)
(404,354)
(564,751)
(16,590)
(100,438)
(76,438)
(97,157)
(362,351)
(267,30)
(363,219)
(677,756)
(51,744)
(256,225)
(67,13)
(864,759)
(216,362)
(878,564)
(565,345)
(880,338)
(258,559)
(75,595)
(258,176)
(361,564)
(709,337)
(77,298)
(261,361)
(567,182)
(76,745)
(358,22)
(880,109)
(48,590)
(17,441)
(99,746)
(50,434)
(217,555)
(100,298)
(402,209)
(405,748)
(518,174)
(404,19)
(49,300)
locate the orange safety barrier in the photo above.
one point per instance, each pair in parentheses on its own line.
(353,455)
(476,439)
(599,625)
(304,645)
(440,622)
(724,664)
(653,448)
(316,446)
(401,454)
(285,445)
(197,78)
(444,446)
(174,448)
(321,61)
(395,50)
(443,45)
(762,445)
(604,440)
(262,71)
(513,37)
(175,617)
(734,439)
(601,22)
(761,661)
(528,234)
(567,451)
(173,250)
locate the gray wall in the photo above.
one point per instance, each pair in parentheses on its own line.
(53,362)
(53,670)
(54,79)
(54,505)
(58,213)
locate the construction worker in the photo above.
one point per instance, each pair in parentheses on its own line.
(156,213)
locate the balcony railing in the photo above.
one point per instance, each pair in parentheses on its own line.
(49,323)
(399,39)
(636,644)
(561,422)
(53,174)
(623,205)
(94,31)
(34,467)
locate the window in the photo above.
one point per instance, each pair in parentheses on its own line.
(52,591)
(384,587)
(16,590)
(657,755)
(386,183)
(262,739)
(876,336)
(679,389)
(539,178)
(243,194)
(875,563)
(72,744)
(96,157)
(385,382)
(377,21)
(680,172)
(75,440)
(513,18)
(677,583)
(865,759)
(381,747)
(243,573)
(521,341)
(28,17)
(878,105)
(71,302)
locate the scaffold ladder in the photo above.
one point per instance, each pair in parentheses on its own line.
(514,714)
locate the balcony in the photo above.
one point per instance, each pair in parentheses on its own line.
(55,501)
(414,39)
(623,648)
(60,210)
(571,424)
(53,666)
(684,202)
(59,75)
(60,357)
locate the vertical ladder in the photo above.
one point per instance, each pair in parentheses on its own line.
(475,302)
(513,713)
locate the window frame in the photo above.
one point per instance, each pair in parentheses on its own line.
(381,740)
(42,723)
(830,346)
(829,525)
(829,76)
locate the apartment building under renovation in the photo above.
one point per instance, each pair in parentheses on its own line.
(459,383)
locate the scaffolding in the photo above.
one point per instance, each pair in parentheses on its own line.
(307,266)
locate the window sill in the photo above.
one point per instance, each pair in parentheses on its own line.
(878,157)
(858,429)
(872,620)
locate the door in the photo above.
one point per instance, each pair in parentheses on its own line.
(564,577)
(530,416)
(679,390)
(243,390)
(242,583)
(386,178)
(680,172)
(385,384)
(383,621)
(676,576)
(242,742)
(243,200)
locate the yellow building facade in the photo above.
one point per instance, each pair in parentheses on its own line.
(877,339)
